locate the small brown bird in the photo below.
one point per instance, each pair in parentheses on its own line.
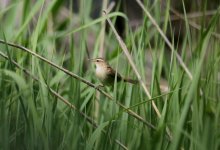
(106,74)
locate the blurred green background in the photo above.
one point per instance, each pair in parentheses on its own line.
(48,95)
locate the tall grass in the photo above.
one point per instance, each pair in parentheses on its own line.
(49,95)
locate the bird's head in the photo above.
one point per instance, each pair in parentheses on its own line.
(99,62)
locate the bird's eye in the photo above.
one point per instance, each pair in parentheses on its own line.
(97,60)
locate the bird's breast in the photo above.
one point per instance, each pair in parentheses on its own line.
(101,73)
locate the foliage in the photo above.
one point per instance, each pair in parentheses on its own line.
(45,107)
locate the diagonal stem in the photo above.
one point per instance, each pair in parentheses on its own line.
(92,122)
(132,113)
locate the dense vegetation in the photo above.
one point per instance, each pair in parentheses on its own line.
(49,95)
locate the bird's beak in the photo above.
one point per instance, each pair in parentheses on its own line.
(92,59)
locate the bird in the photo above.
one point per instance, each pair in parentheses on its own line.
(106,74)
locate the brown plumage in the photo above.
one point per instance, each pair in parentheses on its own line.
(106,74)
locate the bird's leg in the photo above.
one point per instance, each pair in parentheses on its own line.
(99,86)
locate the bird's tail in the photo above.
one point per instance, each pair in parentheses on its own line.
(130,81)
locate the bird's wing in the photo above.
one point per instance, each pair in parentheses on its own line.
(112,73)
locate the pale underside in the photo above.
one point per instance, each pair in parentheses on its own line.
(106,75)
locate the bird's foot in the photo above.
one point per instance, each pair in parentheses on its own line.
(99,86)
